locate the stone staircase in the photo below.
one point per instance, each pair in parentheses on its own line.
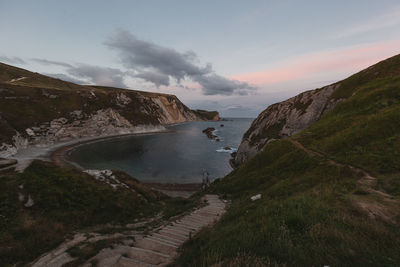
(157,248)
(160,247)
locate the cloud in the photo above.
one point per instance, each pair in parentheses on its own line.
(98,75)
(213,83)
(12,60)
(154,77)
(86,74)
(51,62)
(389,19)
(154,63)
(65,77)
(328,63)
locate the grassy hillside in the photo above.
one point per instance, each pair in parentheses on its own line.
(64,201)
(330,194)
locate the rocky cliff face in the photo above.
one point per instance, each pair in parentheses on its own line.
(297,113)
(39,110)
(285,119)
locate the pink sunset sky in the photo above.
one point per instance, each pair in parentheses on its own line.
(332,64)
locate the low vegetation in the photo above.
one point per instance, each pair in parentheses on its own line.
(65,201)
(330,194)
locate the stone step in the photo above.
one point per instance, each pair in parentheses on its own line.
(173,231)
(207,213)
(190,223)
(177,229)
(172,234)
(127,262)
(190,228)
(166,237)
(201,219)
(213,209)
(156,246)
(197,219)
(199,216)
(168,244)
(164,240)
(147,256)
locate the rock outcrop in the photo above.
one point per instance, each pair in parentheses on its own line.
(39,110)
(284,119)
(210,132)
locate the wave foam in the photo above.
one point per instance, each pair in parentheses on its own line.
(223,150)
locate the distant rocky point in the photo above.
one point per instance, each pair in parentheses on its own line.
(207,115)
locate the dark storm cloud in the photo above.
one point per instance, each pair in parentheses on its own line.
(154,62)
(12,60)
(51,62)
(98,75)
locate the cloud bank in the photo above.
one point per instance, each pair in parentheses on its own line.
(12,60)
(149,62)
(86,74)
(51,62)
(98,75)
(158,64)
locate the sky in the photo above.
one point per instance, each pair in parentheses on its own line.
(236,57)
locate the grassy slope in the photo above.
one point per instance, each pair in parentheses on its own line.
(310,210)
(67,200)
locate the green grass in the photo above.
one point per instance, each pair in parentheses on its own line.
(68,200)
(305,217)
(311,210)
(364,130)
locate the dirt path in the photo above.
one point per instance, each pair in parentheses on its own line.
(366,178)
(384,206)
(158,247)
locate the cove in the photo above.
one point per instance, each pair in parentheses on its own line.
(180,155)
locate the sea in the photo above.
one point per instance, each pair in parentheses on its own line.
(181,155)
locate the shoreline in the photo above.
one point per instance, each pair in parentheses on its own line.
(59,152)
(59,156)
(26,155)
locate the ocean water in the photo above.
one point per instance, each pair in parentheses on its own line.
(180,155)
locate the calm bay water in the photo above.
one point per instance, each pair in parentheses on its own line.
(178,156)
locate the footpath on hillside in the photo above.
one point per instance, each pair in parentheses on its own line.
(157,247)
(384,206)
